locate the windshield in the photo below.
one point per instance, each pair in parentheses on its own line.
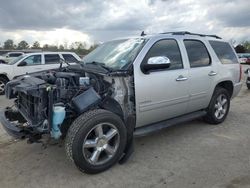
(15,60)
(116,54)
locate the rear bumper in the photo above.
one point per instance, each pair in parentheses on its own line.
(237,88)
(10,127)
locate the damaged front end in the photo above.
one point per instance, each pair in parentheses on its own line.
(48,102)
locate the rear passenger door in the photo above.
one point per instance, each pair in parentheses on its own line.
(52,61)
(201,74)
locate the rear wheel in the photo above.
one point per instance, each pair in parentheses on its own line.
(3,82)
(96,141)
(218,107)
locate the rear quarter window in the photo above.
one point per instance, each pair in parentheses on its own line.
(69,58)
(224,52)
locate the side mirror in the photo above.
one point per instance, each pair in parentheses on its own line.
(23,63)
(156,63)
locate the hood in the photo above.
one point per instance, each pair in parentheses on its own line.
(4,67)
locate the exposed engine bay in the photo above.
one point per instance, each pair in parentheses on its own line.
(47,102)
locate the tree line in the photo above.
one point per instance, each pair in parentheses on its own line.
(78,47)
(81,48)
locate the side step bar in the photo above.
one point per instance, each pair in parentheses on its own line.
(149,129)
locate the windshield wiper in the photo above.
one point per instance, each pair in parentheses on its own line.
(102,65)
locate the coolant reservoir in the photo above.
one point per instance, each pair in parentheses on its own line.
(59,114)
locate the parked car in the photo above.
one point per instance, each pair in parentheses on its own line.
(33,62)
(125,88)
(244,58)
(7,57)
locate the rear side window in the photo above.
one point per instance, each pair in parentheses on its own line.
(197,53)
(69,58)
(52,58)
(168,48)
(224,52)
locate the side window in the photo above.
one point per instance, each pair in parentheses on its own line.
(168,48)
(197,53)
(224,52)
(52,58)
(33,60)
(69,58)
(14,54)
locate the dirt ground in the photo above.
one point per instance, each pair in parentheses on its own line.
(193,154)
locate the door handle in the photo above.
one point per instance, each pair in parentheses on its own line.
(212,73)
(181,78)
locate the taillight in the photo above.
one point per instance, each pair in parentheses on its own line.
(240,73)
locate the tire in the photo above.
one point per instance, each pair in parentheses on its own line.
(3,82)
(89,151)
(248,86)
(219,106)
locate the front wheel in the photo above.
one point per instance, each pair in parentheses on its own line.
(218,107)
(96,141)
(3,82)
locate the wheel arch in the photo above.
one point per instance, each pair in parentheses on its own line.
(3,75)
(228,85)
(112,105)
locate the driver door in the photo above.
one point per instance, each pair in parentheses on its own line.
(161,94)
(33,63)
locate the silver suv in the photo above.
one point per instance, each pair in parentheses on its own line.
(125,88)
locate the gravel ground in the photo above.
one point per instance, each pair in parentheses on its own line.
(193,154)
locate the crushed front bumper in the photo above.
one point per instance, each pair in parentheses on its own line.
(9,119)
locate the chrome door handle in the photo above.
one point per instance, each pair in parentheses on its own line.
(181,78)
(212,73)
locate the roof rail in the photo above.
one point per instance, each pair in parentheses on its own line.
(189,33)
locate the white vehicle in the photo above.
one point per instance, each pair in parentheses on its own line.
(33,62)
(7,57)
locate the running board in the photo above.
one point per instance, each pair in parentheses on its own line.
(149,129)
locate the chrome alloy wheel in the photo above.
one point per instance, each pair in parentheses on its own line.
(101,143)
(221,106)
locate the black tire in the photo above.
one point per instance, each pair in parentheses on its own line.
(211,110)
(3,82)
(80,130)
(248,86)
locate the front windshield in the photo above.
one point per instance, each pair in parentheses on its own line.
(15,60)
(116,54)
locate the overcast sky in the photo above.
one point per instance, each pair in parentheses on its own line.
(60,21)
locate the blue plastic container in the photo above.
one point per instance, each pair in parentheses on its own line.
(59,114)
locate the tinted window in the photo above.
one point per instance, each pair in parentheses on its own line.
(168,48)
(69,58)
(224,52)
(14,54)
(33,60)
(52,58)
(197,53)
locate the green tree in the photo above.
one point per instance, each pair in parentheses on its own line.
(23,45)
(8,44)
(61,47)
(246,45)
(36,45)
